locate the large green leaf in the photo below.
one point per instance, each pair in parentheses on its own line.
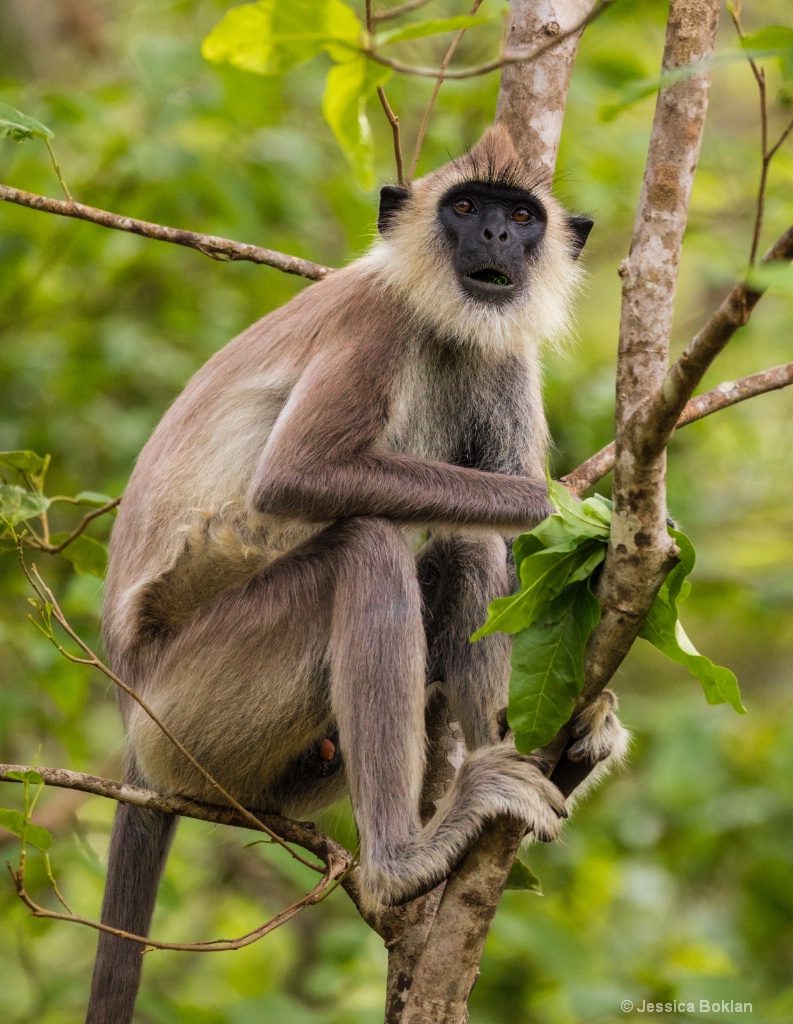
(542,575)
(271,36)
(18,126)
(347,89)
(548,667)
(420,29)
(663,630)
(17,504)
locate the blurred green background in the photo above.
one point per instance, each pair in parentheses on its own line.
(674,880)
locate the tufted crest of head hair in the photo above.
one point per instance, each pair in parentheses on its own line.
(415,259)
(495,161)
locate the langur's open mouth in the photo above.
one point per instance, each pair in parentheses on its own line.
(490,275)
(489,283)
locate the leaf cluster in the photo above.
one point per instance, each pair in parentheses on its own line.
(23,501)
(554,610)
(271,37)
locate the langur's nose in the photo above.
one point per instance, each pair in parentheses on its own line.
(495,231)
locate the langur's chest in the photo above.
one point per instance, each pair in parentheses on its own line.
(451,406)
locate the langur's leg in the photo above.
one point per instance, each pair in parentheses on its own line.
(460,576)
(378,657)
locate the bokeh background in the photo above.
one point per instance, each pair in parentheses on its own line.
(674,880)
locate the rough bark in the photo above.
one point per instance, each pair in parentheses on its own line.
(533,94)
(640,550)
(406,928)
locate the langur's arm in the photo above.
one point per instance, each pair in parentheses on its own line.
(321,461)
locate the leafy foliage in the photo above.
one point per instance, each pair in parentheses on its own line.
(271,37)
(22,500)
(554,611)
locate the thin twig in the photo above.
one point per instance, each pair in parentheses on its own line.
(499,62)
(767,153)
(51,151)
(46,595)
(214,946)
(224,249)
(397,12)
(55,549)
(439,82)
(393,120)
(721,397)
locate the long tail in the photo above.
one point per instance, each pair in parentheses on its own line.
(138,850)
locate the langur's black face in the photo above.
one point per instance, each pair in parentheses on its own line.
(493,230)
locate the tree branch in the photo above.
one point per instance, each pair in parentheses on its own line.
(731,392)
(216,248)
(504,60)
(212,946)
(303,834)
(540,87)
(55,549)
(684,375)
(409,925)
(641,552)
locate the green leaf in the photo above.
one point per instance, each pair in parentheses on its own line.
(17,504)
(347,88)
(272,36)
(543,575)
(775,277)
(31,775)
(772,41)
(420,29)
(15,822)
(93,498)
(548,667)
(522,877)
(22,461)
(18,126)
(87,555)
(663,630)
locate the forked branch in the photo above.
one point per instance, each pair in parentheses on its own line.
(729,393)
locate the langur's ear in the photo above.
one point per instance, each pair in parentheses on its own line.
(580,228)
(391,200)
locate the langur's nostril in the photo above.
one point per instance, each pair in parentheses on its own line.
(503,236)
(488,234)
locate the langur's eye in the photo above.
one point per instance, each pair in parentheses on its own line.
(522,215)
(464,205)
